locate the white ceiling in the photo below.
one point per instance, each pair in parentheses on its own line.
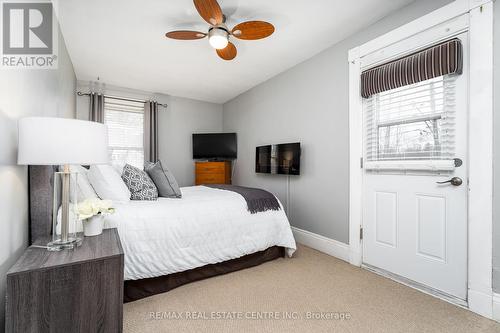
(123,41)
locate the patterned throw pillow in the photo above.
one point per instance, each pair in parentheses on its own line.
(140,185)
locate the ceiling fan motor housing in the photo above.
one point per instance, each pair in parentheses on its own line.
(218,28)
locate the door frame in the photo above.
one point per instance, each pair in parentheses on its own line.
(479,24)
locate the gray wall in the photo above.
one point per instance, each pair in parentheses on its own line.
(177,123)
(309,103)
(25,93)
(496,152)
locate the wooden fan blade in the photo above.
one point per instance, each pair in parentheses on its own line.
(210,11)
(228,53)
(252,30)
(185,34)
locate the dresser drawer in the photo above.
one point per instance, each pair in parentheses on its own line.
(210,168)
(210,179)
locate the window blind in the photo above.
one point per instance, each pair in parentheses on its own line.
(413,122)
(125,121)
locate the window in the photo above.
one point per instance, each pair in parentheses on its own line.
(414,122)
(125,121)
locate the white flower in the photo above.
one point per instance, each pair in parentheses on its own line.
(94,206)
(85,210)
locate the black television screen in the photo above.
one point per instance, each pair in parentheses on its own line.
(214,146)
(278,159)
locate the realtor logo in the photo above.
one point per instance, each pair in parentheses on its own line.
(28,37)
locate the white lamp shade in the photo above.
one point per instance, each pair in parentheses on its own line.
(56,141)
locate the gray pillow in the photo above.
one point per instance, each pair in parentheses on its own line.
(163,179)
(138,182)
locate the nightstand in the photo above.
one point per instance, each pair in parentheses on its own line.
(68,291)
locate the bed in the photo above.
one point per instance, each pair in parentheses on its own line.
(170,242)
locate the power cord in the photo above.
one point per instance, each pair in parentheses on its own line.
(288,195)
(39,246)
(233,167)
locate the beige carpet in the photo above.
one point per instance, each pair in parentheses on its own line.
(308,293)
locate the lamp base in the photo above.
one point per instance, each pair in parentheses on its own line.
(64,235)
(59,244)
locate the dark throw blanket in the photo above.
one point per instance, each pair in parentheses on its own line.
(258,200)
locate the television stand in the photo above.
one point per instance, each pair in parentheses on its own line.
(212,172)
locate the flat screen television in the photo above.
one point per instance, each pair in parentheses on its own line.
(278,159)
(215,146)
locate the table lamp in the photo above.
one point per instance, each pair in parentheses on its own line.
(60,141)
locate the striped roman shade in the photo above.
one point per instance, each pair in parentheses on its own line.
(444,58)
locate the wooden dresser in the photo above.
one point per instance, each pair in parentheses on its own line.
(77,290)
(213,172)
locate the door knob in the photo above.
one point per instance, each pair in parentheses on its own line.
(455,181)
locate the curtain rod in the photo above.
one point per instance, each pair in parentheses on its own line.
(79,93)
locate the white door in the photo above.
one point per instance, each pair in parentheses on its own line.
(413,226)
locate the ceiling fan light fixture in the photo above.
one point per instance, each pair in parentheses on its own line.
(218,32)
(218,38)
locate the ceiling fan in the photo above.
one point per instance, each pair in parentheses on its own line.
(218,33)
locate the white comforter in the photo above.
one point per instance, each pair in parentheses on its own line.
(206,226)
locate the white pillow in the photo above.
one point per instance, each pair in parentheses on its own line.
(108,184)
(83,188)
(118,166)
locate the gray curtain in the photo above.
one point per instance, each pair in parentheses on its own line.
(96,108)
(151,131)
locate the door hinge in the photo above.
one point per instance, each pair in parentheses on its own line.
(361,162)
(361,233)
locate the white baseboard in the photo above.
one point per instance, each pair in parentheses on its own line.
(496,307)
(321,243)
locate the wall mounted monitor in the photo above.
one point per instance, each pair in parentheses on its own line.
(281,159)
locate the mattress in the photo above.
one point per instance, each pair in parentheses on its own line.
(206,226)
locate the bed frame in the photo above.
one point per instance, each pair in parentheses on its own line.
(41,184)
